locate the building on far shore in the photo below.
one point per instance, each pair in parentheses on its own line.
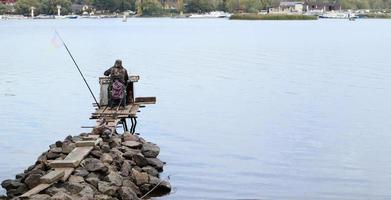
(305,6)
(82,9)
(288,7)
(322,7)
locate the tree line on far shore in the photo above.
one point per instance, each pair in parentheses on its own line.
(162,7)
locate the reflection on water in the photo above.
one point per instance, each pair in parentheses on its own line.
(246,110)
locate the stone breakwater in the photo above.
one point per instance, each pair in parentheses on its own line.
(123,167)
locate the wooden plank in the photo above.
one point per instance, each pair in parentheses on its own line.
(88,143)
(36,190)
(52,176)
(145,100)
(67,172)
(79,153)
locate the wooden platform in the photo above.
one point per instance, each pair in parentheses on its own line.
(127,112)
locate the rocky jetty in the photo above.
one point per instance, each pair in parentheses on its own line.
(123,167)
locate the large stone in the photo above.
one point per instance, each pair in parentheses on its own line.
(76,179)
(162,189)
(56,150)
(58,144)
(106,158)
(144,188)
(52,155)
(11,184)
(73,187)
(93,181)
(61,196)
(33,180)
(126,193)
(106,188)
(42,159)
(125,168)
(21,176)
(17,191)
(93,175)
(68,138)
(96,153)
(114,178)
(105,148)
(140,177)
(132,144)
(86,193)
(54,190)
(116,142)
(150,170)
(104,197)
(116,153)
(94,165)
(37,170)
(140,160)
(129,183)
(150,150)
(40,197)
(153,180)
(130,137)
(156,163)
(81,172)
(129,154)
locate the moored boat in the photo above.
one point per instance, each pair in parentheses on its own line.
(214,14)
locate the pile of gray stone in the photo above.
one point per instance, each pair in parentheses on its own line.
(123,167)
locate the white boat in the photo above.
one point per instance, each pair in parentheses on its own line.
(67,17)
(214,14)
(44,17)
(13,17)
(335,15)
(90,16)
(59,17)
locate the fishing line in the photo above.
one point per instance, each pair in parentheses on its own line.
(77,66)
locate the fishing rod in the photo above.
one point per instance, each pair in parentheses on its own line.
(77,66)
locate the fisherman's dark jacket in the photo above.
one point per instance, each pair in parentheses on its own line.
(117,73)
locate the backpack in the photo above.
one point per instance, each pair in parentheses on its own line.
(117,90)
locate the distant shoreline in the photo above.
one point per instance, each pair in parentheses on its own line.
(272,17)
(241,16)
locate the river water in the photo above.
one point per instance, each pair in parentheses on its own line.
(245,110)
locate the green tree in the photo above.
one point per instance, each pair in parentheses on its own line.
(151,8)
(249,6)
(108,5)
(50,6)
(114,5)
(202,6)
(3,8)
(24,6)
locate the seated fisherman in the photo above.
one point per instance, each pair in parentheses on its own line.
(118,81)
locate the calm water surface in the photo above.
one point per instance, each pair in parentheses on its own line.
(246,109)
